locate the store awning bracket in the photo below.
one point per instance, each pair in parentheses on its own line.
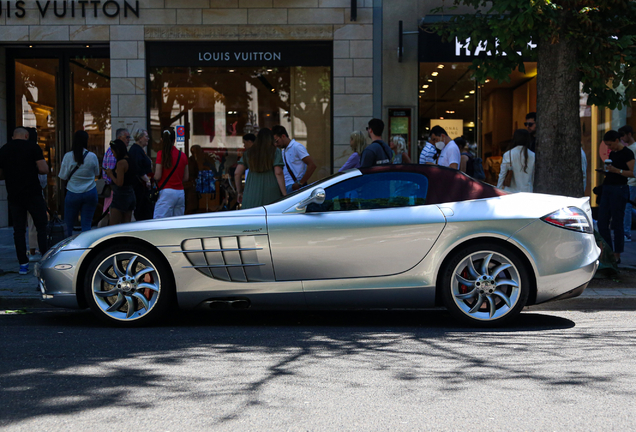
(401,34)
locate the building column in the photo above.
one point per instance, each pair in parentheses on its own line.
(128,78)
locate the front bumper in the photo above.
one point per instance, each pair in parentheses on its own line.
(57,277)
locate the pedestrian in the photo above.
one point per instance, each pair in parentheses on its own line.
(143,167)
(266,182)
(492,165)
(615,192)
(33,253)
(429,152)
(108,163)
(248,142)
(450,155)
(378,152)
(79,169)
(171,170)
(20,163)
(517,164)
(358,143)
(531,126)
(299,165)
(398,145)
(123,178)
(627,137)
(467,158)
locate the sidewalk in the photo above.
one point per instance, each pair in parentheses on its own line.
(18,291)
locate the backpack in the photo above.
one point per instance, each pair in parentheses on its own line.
(478,169)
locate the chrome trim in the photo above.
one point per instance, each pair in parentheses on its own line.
(218,250)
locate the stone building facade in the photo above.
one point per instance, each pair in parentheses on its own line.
(124,30)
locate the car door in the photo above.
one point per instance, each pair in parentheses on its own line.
(372,225)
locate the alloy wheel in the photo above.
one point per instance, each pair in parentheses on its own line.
(126,286)
(486,285)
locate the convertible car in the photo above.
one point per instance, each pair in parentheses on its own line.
(388,237)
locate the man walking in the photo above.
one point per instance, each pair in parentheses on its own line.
(450,155)
(378,152)
(299,165)
(627,137)
(429,152)
(531,125)
(20,163)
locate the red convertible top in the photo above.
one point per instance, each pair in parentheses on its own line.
(444,184)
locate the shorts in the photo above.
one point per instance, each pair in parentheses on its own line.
(124,199)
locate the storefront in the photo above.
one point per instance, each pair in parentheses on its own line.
(488,114)
(220,71)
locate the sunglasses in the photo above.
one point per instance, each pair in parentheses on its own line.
(529,124)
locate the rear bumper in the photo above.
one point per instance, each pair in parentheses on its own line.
(558,287)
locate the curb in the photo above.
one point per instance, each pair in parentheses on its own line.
(22,303)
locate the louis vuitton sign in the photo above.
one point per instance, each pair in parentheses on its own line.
(71,8)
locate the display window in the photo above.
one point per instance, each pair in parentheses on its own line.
(220,92)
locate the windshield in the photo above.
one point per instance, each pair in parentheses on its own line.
(316,183)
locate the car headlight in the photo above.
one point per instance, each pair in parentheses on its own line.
(58,247)
(571,218)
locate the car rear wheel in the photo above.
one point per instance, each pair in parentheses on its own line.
(485,284)
(129,286)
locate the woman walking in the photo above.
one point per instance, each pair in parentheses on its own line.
(266,182)
(143,166)
(358,143)
(79,168)
(519,162)
(398,145)
(123,179)
(170,172)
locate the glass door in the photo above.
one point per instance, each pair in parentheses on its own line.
(57,92)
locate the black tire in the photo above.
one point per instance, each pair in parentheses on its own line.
(139,295)
(478,298)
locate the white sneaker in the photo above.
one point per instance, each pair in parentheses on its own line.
(35,258)
(627,239)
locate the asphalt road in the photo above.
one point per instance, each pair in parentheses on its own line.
(554,370)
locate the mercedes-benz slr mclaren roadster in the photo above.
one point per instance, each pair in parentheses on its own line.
(389,237)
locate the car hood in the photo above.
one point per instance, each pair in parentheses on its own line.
(89,238)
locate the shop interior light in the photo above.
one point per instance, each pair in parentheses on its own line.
(450,112)
(430,80)
(231,70)
(466,96)
(435,73)
(440,66)
(30,46)
(421,91)
(88,46)
(472,92)
(487,81)
(461,100)
(425,86)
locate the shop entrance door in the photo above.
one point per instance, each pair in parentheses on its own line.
(58,91)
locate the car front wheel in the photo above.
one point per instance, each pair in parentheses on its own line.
(485,284)
(129,286)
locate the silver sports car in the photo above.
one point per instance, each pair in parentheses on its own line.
(399,236)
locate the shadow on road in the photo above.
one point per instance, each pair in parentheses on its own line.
(60,362)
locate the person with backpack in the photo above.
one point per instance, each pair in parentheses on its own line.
(171,171)
(378,152)
(79,169)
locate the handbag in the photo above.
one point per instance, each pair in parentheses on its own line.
(508,180)
(154,192)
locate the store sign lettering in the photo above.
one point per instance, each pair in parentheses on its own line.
(239,56)
(481,48)
(72,8)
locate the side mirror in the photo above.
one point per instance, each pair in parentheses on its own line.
(317,197)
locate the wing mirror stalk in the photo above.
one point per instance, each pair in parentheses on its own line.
(317,197)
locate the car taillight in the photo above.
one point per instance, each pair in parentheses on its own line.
(571,218)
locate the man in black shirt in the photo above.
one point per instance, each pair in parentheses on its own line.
(378,152)
(615,192)
(20,163)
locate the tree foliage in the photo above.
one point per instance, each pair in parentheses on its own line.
(602,32)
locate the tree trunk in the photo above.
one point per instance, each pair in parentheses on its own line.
(558,149)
